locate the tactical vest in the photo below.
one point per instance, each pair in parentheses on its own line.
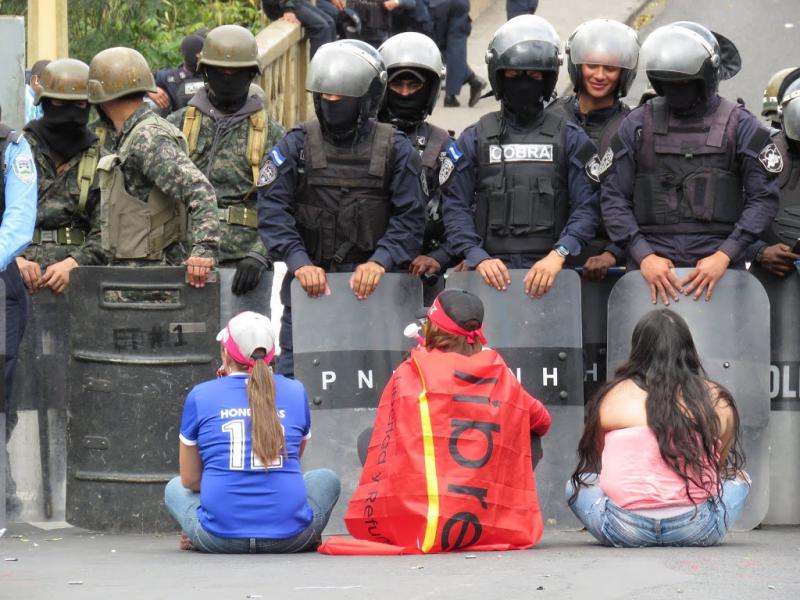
(600,136)
(430,148)
(7,136)
(187,87)
(785,229)
(687,180)
(375,19)
(256,136)
(132,229)
(522,201)
(343,198)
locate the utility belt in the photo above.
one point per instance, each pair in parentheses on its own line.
(239,215)
(63,236)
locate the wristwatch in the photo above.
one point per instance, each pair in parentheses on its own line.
(562,251)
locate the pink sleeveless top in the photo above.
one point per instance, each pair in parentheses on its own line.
(634,476)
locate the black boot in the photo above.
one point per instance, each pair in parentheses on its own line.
(451,100)
(476,87)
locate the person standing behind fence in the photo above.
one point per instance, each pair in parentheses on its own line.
(228,131)
(240,488)
(320,26)
(660,458)
(17,220)
(177,85)
(150,184)
(67,231)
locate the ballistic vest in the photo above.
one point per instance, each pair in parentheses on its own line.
(687,180)
(785,228)
(7,136)
(430,148)
(376,21)
(343,200)
(522,201)
(599,133)
(131,228)
(186,88)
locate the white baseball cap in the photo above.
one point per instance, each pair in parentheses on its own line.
(244,334)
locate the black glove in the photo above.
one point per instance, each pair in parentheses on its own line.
(248,274)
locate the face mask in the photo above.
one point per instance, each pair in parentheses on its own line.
(682,97)
(64,128)
(408,108)
(228,92)
(523,96)
(190,62)
(340,117)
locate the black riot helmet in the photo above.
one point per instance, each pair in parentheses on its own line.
(687,51)
(348,24)
(345,68)
(525,43)
(603,42)
(790,111)
(419,53)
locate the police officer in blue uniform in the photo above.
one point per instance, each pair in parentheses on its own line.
(690,178)
(601,61)
(342,192)
(779,246)
(415,70)
(177,85)
(17,219)
(515,8)
(516,186)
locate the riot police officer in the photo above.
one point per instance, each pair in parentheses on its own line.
(601,61)
(66,153)
(228,131)
(515,8)
(515,186)
(690,178)
(779,246)
(149,185)
(770,102)
(17,219)
(176,86)
(415,69)
(341,192)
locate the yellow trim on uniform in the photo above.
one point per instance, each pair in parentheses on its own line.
(429,451)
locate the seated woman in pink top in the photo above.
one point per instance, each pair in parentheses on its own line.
(660,457)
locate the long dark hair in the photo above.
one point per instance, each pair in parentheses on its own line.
(680,407)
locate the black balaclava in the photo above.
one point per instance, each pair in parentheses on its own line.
(226,92)
(63,128)
(191,46)
(340,117)
(522,96)
(407,111)
(683,97)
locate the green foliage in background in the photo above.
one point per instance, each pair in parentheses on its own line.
(154,27)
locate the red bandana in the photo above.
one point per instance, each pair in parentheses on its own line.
(439,318)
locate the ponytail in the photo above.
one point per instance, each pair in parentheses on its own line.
(266,432)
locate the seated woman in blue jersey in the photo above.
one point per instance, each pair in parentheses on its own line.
(240,487)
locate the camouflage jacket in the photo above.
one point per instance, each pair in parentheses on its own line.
(155,159)
(221,154)
(59,198)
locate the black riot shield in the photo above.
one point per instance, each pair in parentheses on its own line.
(730,333)
(141,338)
(257,300)
(345,350)
(784,393)
(594,307)
(540,341)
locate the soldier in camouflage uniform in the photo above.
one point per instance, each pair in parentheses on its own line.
(228,130)
(66,152)
(148,186)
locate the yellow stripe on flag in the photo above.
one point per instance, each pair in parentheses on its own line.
(432,483)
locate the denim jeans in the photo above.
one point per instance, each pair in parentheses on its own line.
(322,487)
(615,526)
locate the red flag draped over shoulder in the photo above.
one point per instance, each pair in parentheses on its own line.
(449,463)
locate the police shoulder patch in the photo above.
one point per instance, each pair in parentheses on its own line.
(446,170)
(771,159)
(24,170)
(605,162)
(268,174)
(454,153)
(593,168)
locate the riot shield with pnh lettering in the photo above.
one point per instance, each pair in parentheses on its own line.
(540,340)
(141,338)
(594,307)
(345,350)
(731,335)
(784,393)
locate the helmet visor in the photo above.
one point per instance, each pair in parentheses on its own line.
(341,70)
(525,28)
(790,117)
(604,42)
(412,50)
(675,50)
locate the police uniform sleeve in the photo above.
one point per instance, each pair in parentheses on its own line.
(584,195)
(616,171)
(173,172)
(402,240)
(760,162)
(19,216)
(277,185)
(457,179)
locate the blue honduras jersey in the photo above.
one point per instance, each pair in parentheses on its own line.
(239,496)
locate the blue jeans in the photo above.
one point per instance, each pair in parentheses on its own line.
(322,487)
(615,526)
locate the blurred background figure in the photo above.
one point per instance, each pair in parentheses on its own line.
(32,110)
(177,85)
(320,25)
(515,8)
